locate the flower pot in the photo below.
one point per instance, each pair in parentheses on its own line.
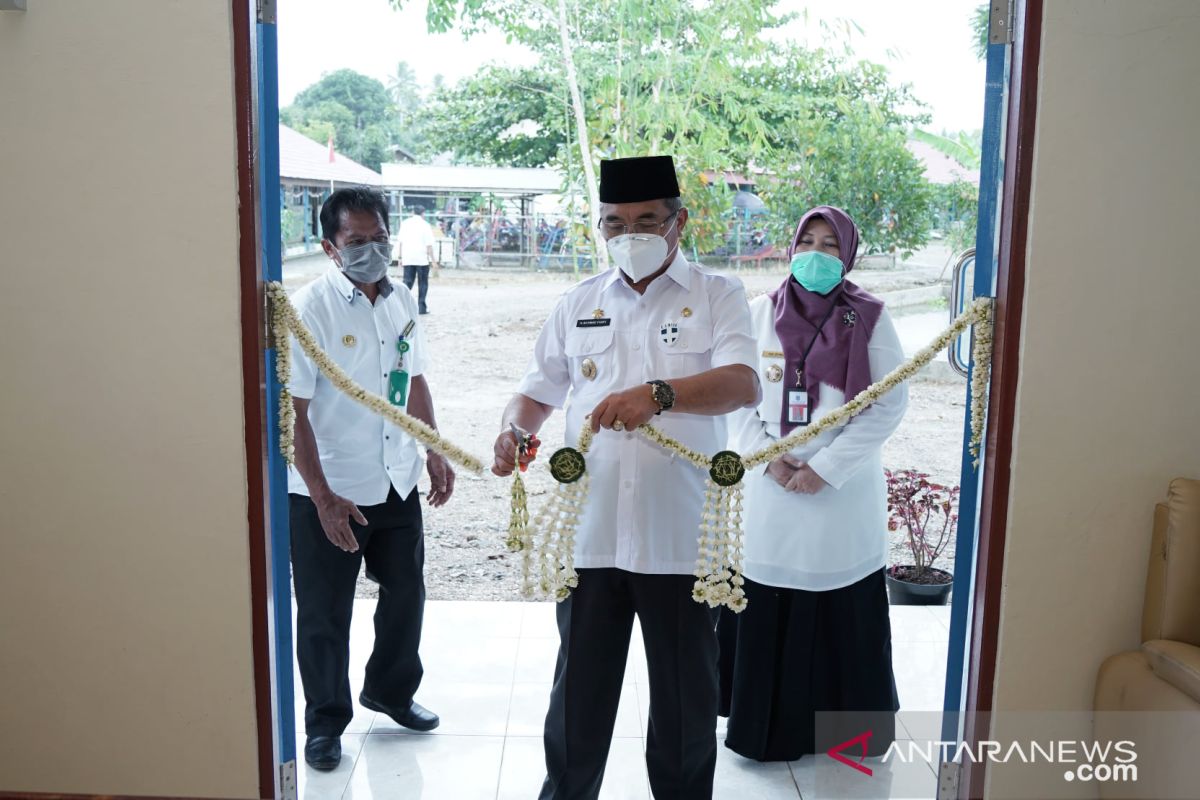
(906,593)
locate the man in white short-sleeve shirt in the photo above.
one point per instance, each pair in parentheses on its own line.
(655,339)
(414,251)
(353,490)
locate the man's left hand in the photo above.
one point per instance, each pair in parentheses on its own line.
(806,481)
(441,480)
(632,408)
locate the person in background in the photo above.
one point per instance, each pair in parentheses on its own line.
(815,636)
(653,339)
(353,491)
(414,252)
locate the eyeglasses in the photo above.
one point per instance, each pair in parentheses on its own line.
(612,229)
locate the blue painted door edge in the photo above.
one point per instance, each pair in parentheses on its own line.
(272,266)
(991,175)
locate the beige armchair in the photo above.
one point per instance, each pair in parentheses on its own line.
(1164,674)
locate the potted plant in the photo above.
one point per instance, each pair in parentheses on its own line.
(927,513)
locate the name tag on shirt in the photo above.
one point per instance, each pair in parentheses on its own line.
(593,323)
(398,387)
(798,407)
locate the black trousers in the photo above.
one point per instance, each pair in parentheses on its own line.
(420,274)
(594,626)
(393,544)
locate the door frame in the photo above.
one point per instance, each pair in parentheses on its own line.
(1025,59)
(273,710)
(254,394)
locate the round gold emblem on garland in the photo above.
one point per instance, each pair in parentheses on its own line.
(726,469)
(567,465)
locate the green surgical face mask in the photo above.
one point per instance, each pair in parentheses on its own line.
(816,271)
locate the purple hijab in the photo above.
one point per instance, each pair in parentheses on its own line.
(839,357)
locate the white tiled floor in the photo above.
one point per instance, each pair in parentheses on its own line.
(488,668)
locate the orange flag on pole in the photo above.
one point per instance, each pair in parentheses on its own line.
(331,148)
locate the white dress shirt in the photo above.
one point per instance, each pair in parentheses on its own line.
(414,239)
(644,504)
(839,535)
(361,454)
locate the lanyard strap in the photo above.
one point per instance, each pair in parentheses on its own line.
(800,383)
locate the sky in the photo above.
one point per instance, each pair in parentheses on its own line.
(926,43)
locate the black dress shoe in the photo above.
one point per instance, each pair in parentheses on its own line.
(323,752)
(416,717)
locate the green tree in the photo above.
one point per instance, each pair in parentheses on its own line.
(405,92)
(980,22)
(356,109)
(409,117)
(965,148)
(527,130)
(320,121)
(957,206)
(703,82)
(364,97)
(861,166)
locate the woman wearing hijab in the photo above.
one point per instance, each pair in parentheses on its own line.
(815,636)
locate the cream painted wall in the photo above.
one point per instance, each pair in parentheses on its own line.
(1109,391)
(125,662)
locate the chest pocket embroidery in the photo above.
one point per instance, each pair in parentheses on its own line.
(589,354)
(686,339)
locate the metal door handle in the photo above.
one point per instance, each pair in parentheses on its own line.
(958,301)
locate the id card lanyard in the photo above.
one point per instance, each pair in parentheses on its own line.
(799,411)
(398,378)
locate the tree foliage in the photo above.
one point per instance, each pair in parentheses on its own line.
(708,83)
(956,204)
(861,166)
(980,22)
(364,117)
(527,129)
(964,147)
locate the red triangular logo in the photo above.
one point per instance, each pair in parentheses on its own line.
(835,752)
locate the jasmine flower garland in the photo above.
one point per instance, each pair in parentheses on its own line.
(718,570)
(979,312)
(285,318)
(554,529)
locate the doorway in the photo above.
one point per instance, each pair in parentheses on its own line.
(982,490)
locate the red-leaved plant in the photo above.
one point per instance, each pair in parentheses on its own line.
(927,512)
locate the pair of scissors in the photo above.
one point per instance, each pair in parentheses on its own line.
(527,444)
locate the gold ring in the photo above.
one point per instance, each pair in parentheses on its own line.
(618,426)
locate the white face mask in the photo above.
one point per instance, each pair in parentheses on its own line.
(639,255)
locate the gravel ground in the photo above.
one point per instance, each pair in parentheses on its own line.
(481,331)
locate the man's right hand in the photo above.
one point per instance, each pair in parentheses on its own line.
(335,513)
(506,450)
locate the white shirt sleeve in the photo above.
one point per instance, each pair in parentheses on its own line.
(303,381)
(865,434)
(427,234)
(733,338)
(548,379)
(747,432)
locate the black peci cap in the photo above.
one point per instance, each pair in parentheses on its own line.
(633,180)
